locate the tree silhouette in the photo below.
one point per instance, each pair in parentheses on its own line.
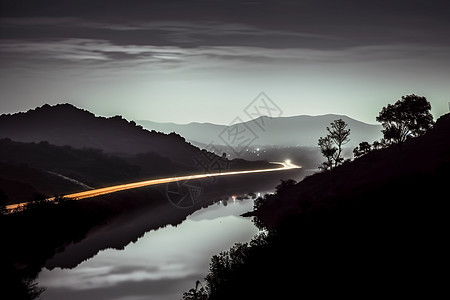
(339,135)
(197,293)
(408,117)
(328,150)
(285,185)
(331,145)
(377,145)
(363,148)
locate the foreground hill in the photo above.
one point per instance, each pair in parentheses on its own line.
(283,131)
(378,170)
(373,227)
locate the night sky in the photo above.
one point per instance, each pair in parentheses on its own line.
(184,61)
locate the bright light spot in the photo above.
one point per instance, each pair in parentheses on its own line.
(288,161)
(257,149)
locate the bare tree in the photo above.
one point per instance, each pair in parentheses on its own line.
(339,135)
(331,145)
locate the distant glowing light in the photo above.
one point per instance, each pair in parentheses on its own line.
(288,161)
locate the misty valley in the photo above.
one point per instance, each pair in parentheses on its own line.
(41,161)
(102,208)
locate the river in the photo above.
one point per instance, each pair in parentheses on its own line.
(162,264)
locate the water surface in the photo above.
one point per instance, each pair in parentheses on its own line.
(160,265)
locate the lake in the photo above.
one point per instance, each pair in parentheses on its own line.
(162,264)
(159,252)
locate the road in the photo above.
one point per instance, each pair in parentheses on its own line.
(287,165)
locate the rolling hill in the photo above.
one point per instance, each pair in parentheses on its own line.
(61,149)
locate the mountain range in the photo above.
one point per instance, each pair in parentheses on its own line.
(60,149)
(303,131)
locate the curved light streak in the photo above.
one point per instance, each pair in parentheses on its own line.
(287,165)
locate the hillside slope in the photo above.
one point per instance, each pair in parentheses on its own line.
(373,227)
(52,170)
(22,183)
(429,154)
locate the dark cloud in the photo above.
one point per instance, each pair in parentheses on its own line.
(282,24)
(172,33)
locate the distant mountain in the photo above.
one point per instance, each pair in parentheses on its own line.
(283,131)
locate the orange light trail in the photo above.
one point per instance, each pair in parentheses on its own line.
(122,187)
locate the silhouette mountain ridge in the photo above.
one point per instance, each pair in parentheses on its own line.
(302,130)
(65,124)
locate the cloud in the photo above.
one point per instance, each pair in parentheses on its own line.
(126,269)
(92,49)
(70,55)
(91,276)
(162,289)
(170,32)
(74,55)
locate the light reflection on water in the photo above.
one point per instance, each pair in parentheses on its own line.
(160,265)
